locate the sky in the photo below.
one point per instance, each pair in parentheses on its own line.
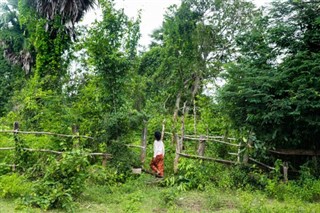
(152,12)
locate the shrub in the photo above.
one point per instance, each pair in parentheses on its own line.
(14,186)
(192,175)
(100,175)
(62,181)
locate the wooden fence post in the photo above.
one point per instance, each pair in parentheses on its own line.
(176,159)
(75,131)
(239,152)
(163,129)
(247,149)
(144,142)
(285,171)
(16,144)
(202,145)
(104,160)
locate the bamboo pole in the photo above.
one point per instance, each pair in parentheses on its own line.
(262,164)
(7,148)
(42,150)
(218,141)
(207,158)
(135,146)
(55,152)
(197,137)
(45,133)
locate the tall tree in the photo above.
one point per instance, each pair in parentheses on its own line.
(111,48)
(13,42)
(69,12)
(195,39)
(273,88)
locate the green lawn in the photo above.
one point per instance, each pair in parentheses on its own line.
(144,195)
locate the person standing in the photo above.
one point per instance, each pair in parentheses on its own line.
(157,162)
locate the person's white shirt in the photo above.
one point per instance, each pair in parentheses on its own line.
(158,148)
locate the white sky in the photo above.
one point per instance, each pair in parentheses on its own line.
(152,12)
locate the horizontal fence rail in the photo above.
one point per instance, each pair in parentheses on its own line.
(45,133)
(56,152)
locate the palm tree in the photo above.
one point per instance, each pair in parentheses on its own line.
(69,12)
(12,41)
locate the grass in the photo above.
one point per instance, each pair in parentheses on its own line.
(144,195)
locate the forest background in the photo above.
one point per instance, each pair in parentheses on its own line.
(266,57)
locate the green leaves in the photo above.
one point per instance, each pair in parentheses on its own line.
(277,98)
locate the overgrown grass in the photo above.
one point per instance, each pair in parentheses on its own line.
(143,194)
(199,187)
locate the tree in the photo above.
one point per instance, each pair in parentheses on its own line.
(194,41)
(13,41)
(274,85)
(111,48)
(69,12)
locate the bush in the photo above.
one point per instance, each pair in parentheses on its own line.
(99,175)
(14,186)
(193,175)
(62,181)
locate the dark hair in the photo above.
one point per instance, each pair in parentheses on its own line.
(157,135)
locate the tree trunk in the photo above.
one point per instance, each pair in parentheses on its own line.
(179,143)
(144,142)
(175,118)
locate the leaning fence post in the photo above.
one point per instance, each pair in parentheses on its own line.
(144,142)
(16,144)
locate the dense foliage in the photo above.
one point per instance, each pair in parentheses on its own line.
(59,78)
(273,86)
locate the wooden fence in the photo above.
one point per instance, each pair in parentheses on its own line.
(242,154)
(75,134)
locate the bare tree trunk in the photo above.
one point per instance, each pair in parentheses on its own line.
(196,85)
(75,131)
(194,117)
(144,142)
(176,158)
(175,118)
(179,143)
